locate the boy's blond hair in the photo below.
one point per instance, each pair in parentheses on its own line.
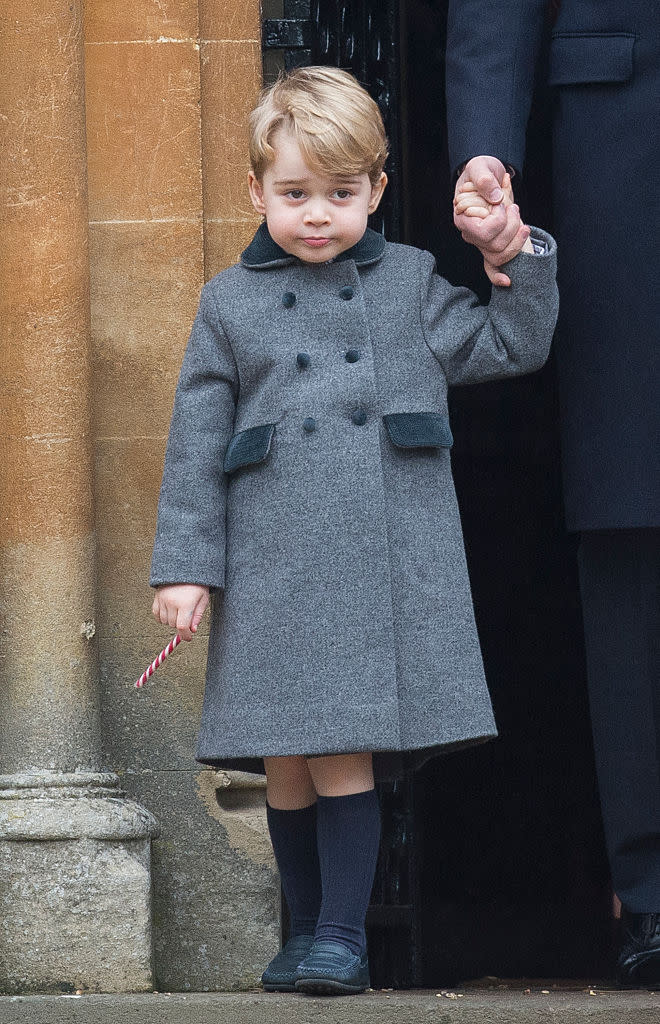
(336,123)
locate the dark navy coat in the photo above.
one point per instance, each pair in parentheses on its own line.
(605,74)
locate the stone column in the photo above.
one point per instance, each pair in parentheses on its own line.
(74,852)
(230,79)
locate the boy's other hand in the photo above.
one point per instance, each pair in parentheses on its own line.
(181,606)
(501,234)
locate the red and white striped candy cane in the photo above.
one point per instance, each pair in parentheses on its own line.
(159,660)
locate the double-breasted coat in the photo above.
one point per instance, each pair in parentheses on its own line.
(307,480)
(604,74)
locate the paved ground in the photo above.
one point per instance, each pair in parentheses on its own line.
(480,1005)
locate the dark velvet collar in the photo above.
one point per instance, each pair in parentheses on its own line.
(263,253)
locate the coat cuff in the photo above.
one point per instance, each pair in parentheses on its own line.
(166,570)
(545,249)
(540,247)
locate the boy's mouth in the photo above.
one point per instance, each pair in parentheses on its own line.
(316,242)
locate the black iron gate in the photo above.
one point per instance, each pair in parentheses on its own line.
(362,37)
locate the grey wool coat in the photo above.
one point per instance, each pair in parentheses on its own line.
(307,481)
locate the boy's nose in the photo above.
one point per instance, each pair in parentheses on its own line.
(317,215)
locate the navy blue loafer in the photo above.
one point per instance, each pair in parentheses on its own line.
(330,969)
(280,975)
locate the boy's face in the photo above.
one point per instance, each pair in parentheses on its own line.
(312,216)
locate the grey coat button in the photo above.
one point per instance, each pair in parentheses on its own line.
(288,300)
(309,424)
(352,355)
(346,293)
(359,417)
(303,359)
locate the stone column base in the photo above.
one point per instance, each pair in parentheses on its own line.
(75,885)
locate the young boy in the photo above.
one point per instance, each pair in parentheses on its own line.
(307,482)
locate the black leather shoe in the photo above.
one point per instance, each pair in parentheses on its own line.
(638,963)
(280,974)
(330,969)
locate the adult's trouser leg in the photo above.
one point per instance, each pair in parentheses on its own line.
(620,588)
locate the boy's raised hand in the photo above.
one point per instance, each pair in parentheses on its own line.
(468,199)
(495,228)
(181,606)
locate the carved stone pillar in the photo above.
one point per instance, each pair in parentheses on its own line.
(230,79)
(74,852)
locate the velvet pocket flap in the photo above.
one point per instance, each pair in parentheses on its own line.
(248,446)
(583,57)
(419,429)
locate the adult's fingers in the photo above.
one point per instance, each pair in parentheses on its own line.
(487,173)
(488,186)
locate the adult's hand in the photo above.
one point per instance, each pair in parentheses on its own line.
(500,235)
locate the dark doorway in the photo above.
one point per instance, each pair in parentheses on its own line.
(514,877)
(492,859)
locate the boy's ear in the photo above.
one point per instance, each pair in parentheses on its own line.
(256,193)
(377,192)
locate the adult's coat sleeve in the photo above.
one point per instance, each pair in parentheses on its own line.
(491,56)
(509,336)
(190,531)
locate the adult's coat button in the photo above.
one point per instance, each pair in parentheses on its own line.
(303,359)
(309,424)
(359,417)
(346,293)
(288,300)
(352,355)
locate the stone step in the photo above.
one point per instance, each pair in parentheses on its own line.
(566,1006)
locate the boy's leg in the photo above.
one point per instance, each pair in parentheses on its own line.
(289,785)
(348,828)
(341,774)
(291,815)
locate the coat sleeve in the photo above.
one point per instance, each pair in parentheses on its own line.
(190,530)
(491,56)
(509,336)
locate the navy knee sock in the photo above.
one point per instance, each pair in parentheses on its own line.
(348,829)
(293,835)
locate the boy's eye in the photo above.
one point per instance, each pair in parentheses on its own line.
(295,193)
(343,193)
